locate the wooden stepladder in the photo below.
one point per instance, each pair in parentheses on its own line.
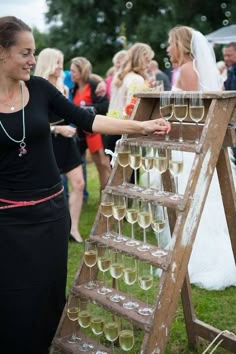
(184,214)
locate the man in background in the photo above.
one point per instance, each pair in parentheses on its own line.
(153,69)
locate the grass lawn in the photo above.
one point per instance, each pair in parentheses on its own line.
(217,308)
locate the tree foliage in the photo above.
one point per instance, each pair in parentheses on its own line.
(96,28)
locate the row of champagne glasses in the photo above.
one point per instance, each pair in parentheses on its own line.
(119,266)
(87,314)
(148,157)
(179,106)
(135,210)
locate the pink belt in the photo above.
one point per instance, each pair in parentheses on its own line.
(17,204)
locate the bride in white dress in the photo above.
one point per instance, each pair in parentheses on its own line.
(212,265)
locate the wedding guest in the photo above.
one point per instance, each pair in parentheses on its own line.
(49,65)
(83,94)
(35,221)
(153,69)
(117,61)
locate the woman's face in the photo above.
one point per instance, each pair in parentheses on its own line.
(19,58)
(172,51)
(58,68)
(75,73)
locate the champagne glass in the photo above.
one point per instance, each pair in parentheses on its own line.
(84,319)
(176,167)
(97,325)
(147,164)
(116,271)
(130,277)
(135,162)
(145,281)
(118,211)
(132,218)
(72,312)
(144,221)
(196,110)
(104,262)
(166,108)
(106,209)
(126,336)
(90,259)
(160,163)
(158,224)
(123,158)
(180,111)
(111,332)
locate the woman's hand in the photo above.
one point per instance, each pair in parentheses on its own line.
(65,130)
(156,126)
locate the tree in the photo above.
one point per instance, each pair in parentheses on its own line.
(95,28)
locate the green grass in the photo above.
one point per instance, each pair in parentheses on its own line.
(217,308)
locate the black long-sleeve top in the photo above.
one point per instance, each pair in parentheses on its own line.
(37,169)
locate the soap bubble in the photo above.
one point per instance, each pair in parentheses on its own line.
(225,22)
(129,5)
(203,18)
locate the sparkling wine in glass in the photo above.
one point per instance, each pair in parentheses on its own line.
(90,259)
(130,277)
(147,164)
(111,332)
(176,164)
(123,149)
(116,271)
(73,315)
(126,337)
(145,281)
(118,212)
(103,262)
(107,203)
(166,108)
(196,110)
(160,163)
(85,315)
(132,217)
(158,224)
(135,162)
(97,325)
(144,221)
(180,111)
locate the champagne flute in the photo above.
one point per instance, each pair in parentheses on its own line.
(90,259)
(144,221)
(106,209)
(176,168)
(116,271)
(132,218)
(135,162)
(97,325)
(160,163)
(196,110)
(104,262)
(118,211)
(111,332)
(147,164)
(166,108)
(123,158)
(130,277)
(126,336)
(84,322)
(180,111)
(72,312)
(158,224)
(145,281)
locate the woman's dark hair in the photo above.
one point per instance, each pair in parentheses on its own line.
(10,26)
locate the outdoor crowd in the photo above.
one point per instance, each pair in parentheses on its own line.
(48,122)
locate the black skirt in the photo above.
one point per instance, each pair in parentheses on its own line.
(33,256)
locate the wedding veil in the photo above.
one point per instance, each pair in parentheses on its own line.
(204,63)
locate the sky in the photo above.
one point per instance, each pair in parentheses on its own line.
(31,12)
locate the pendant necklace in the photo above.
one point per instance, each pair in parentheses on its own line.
(22,149)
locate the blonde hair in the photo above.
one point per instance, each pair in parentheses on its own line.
(137,57)
(119,56)
(181,37)
(46,64)
(84,66)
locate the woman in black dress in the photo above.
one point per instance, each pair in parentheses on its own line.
(34,218)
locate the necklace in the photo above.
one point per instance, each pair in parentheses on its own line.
(22,149)
(12,106)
